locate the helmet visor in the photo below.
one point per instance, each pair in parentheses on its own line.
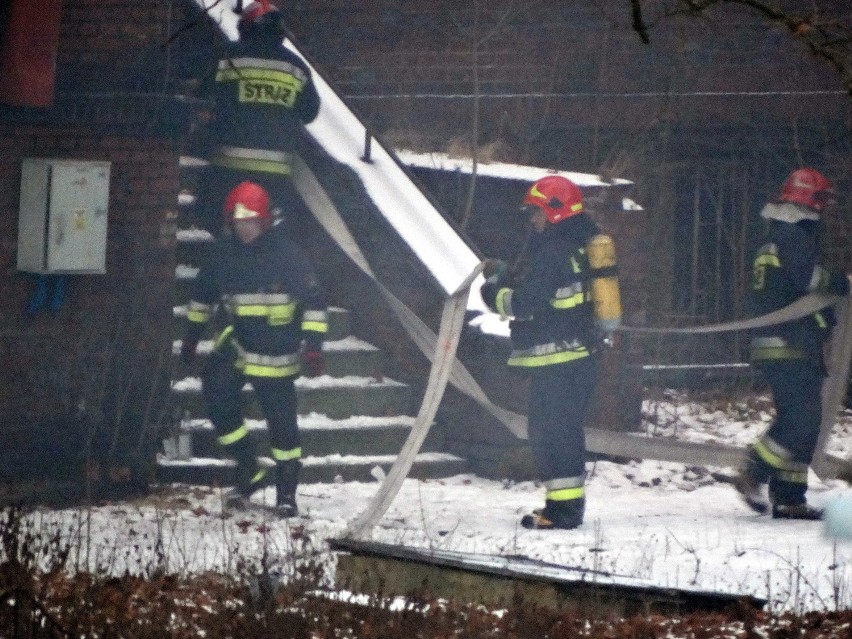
(242,212)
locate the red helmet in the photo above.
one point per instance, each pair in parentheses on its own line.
(557,196)
(261,19)
(807,187)
(247,201)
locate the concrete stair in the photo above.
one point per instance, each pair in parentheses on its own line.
(353,419)
(335,397)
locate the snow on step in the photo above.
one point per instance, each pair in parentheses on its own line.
(191,161)
(193,384)
(309,462)
(317,422)
(349,343)
(354,460)
(186,272)
(194,235)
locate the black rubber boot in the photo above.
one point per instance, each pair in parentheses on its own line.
(556,515)
(286,482)
(802,510)
(248,475)
(751,482)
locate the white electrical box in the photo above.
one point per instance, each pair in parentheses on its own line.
(62,222)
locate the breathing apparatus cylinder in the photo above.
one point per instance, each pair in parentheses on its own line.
(606,296)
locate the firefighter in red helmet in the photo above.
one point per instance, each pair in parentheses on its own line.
(263,94)
(786,267)
(276,323)
(561,311)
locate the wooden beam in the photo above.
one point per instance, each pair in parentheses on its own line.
(500,580)
(634,446)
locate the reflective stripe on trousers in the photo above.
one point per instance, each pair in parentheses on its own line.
(566,489)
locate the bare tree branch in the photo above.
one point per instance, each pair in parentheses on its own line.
(639,25)
(826,30)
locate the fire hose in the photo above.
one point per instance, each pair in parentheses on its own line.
(446,368)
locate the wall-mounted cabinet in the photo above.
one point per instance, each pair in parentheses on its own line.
(62,222)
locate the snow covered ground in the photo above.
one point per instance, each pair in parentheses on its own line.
(666,523)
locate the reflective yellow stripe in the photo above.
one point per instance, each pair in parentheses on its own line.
(234,436)
(198,312)
(281,315)
(793,477)
(248,62)
(788,470)
(277,313)
(223,337)
(245,164)
(575,265)
(258,476)
(548,359)
(569,302)
(249,153)
(767,259)
(316,321)
(536,193)
(820,320)
(260,299)
(259,365)
(246,73)
(286,455)
(504,302)
(782,352)
(198,317)
(768,456)
(566,494)
(317,327)
(251,311)
(791,471)
(259,370)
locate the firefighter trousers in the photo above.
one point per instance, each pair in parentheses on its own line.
(223,395)
(558,404)
(796,386)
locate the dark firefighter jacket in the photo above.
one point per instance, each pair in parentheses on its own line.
(785,268)
(552,310)
(263,92)
(272,296)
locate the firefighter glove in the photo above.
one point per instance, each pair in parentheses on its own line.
(313,363)
(494,270)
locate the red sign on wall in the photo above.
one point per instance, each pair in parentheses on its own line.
(28,52)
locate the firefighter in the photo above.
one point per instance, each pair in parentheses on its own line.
(263,94)
(560,312)
(277,320)
(790,355)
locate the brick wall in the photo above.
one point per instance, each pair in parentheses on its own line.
(132,37)
(578,50)
(570,86)
(98,366)
(105,345)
